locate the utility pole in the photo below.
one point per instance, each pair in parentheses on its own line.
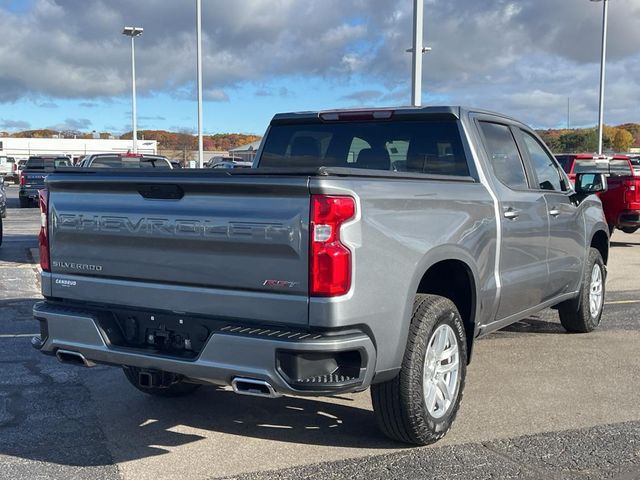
(603,62)
(418,50)
(133,32)
(199,68)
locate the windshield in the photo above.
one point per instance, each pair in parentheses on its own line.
(43,162)
(432,147)
(116,161)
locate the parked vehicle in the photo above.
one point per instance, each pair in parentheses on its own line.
(19,167)
(227,164)
(621,202)
(125,160)
(3,206)
(33,174)
(7,167)
(328,268)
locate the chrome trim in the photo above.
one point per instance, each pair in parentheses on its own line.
(85,362)
(253,392)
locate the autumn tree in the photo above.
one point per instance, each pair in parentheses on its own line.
(623,140)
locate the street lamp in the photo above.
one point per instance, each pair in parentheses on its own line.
(605,18)
(133,32)
(418,50)
(199,73)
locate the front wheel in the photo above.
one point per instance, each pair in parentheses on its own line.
(586,317)
(24,202)
(420,404)
(629,229)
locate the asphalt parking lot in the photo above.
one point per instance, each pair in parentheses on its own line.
(539,404)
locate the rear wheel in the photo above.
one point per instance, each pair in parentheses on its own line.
(629,229)
(420,404)
(586,317)
(166,384)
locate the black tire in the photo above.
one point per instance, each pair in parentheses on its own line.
(24,202)
(175,389)
(629,229)
(1,231)
(400,404)
(576,316)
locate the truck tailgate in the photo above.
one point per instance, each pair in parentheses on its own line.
(230,246)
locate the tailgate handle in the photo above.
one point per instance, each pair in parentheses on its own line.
(161,192)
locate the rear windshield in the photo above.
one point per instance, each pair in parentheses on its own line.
(4,160)
(43,163)
(432,147)
(116,161)
(615,168)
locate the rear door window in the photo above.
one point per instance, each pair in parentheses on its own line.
(504,155)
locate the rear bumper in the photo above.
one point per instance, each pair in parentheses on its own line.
(228,354)
(629,218)
(29,192)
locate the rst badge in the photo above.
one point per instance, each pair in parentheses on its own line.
(280,284)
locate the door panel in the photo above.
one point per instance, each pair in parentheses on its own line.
(566,244)
(524,222)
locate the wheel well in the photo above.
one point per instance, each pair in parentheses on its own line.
(600,242)
(453,279)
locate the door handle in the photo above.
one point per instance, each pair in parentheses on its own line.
(554,212)
(511,214)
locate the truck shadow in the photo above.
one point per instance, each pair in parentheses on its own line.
(79,417)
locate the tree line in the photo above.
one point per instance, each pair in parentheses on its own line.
(618,139)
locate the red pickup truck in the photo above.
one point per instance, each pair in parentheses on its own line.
(621,202)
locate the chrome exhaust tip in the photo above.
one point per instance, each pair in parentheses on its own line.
(253,387)
(73,358)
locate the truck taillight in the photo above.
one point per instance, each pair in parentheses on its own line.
(43,238)
(22,178)
(329,260)
(630,191)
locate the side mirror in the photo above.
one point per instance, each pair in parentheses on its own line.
(590,183)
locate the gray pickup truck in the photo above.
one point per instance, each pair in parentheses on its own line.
(366,249)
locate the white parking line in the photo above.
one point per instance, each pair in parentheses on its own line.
(19,335)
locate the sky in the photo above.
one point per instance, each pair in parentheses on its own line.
(65,65)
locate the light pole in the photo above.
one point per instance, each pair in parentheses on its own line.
(418,50)
(603,61)
(199,73)
(133,32)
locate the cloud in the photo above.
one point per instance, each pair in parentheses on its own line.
(48,105)
(14,125)
(215,95)
(75,124)
(152,118)
(88,104)
(272,92)
(499,54)
(364,96)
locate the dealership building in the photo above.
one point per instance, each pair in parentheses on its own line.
(73,147)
